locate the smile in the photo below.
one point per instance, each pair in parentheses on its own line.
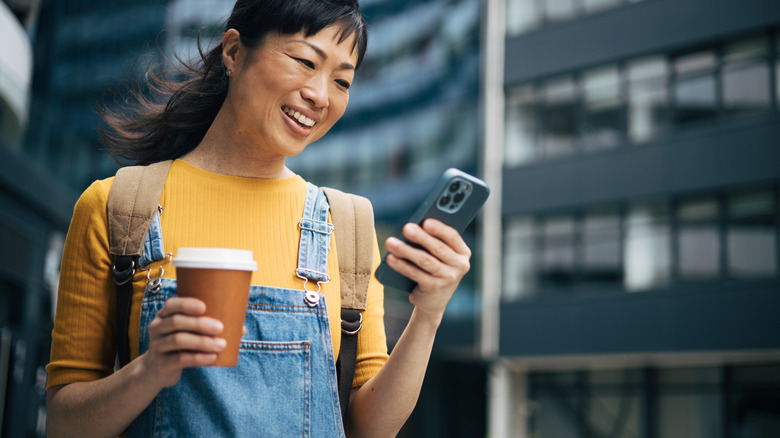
(300,118)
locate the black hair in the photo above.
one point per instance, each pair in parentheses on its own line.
(169,117)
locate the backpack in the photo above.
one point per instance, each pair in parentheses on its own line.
(134,200)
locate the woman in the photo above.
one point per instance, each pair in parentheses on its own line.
(278,81)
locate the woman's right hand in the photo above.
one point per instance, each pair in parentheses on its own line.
(180,337)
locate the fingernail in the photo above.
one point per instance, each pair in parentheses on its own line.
(220,342)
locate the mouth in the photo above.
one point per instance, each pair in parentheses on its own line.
(298,117)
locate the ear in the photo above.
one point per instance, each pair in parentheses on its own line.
(232,49)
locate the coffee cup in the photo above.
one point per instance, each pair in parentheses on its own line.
(220,277)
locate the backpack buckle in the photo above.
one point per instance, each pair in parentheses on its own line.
(122,276)
(348,327)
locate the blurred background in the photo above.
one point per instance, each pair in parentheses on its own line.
(626,279)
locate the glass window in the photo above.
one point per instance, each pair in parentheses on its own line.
(602,124)
(558,253)
(585,404)
(646,247)
(559,10)
(754,401)
(777,68)
(520,135)
(593,6)
(690,403)
(614,407)
(648,97)
(752,234)
(558,117)
(553,414)
(777,81)
(522,16)
(601,262)
(519,260)
(746,76)
(698,244)
(694,88)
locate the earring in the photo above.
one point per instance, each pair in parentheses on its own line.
(229,72)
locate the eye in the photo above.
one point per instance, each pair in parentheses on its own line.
(343,83)
(305,62)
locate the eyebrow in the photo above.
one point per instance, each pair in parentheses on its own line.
(321,53)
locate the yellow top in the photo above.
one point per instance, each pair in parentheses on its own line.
(200,209)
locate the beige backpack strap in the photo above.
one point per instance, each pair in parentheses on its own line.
(132,202)
(353,222)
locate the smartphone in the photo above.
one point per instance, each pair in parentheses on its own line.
(455,200)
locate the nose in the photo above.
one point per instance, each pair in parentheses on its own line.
(316,91)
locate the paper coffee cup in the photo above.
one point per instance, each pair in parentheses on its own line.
(220,277)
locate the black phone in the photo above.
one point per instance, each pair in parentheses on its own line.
(455,200)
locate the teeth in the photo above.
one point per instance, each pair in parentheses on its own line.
(299,117)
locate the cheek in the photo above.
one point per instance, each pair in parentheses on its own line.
(339,106)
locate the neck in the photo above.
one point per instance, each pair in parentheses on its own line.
(222,151)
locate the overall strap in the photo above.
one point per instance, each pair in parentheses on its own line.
(353,220)
(132,203)
(314,244)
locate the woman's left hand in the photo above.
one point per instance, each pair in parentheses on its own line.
(437,270)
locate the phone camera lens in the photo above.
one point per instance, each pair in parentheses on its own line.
(444,200)
(454,186)
(459,197)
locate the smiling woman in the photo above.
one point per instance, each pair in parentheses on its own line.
(305,90)
(171,117)
(279,80)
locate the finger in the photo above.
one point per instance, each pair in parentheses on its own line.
(434,245)
(448,235)
(419,257)
(162,326)
(185,359)
(186,305)
(407,269)
(184,341)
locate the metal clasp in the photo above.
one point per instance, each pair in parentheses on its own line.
(154,285)
(312,297)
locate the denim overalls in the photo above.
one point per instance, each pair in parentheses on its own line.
(285,381)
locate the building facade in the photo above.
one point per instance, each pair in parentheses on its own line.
(30,233)
(640,269)
(414,112)
(72,54)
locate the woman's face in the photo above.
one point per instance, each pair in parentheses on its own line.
(289,91)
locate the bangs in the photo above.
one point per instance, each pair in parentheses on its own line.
(308,16)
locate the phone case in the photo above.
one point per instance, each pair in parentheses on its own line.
(455,200)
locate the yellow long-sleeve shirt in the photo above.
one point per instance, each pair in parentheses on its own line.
(200,209)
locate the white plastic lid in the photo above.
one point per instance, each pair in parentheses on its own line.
(215,258)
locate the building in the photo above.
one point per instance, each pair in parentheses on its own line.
(640,277)
(28,235)
(62,59)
